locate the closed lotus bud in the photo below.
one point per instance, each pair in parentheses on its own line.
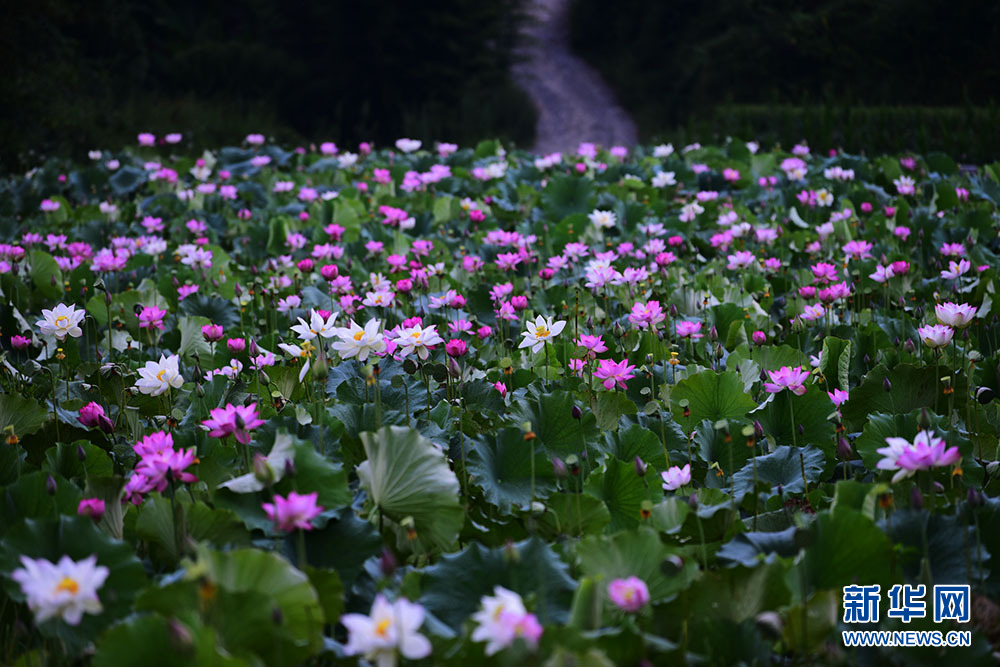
(916,499)
(843,448)
(50,486)
(801,429)
(180,636)
(886,385)
(713,334)
(673,310)
(81,454)
(693,502)
(758,430)
(938,487)
(868,360)
(387,563)
(909,346)
(576,412)
(984,395)
(262,470)
(289,468)
(924,421)
(640,467)
(974,498)
(559,468)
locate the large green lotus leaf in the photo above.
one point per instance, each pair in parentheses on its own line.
(611,407)
(711,396)
(783,466)
(845,548)
(64,459)
(452,588)
(501,467)
(193,343)
(29,498)
(156,525)
(637,553)
(812,410)
(280,586)
(126,179)
(713,446)
(769,357)
(149,640)
(913,387)
(45,274)
(344,544)
(551,418)
(25,415)
(573,514)
(623,491)
(407,476)
(645,443)
(951,547)
(566,195)
(78,538)
(835,363)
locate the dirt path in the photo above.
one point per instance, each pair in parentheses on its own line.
(574,104)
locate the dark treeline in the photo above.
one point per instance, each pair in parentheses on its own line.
(677,63)
(82,75)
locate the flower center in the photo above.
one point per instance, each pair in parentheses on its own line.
(61,320)
(159,376)
(383,627)
(541,332)
(69,585)
(358,336)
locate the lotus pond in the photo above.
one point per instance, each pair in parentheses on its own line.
(455,406)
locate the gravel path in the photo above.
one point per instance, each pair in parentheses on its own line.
(574,104)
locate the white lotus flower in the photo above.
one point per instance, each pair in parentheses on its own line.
(317,326)
(417,339)
(603,219)
(157,377)
(390,627)
(61,321)
(540,332)
(66,589)
(408,145)
(357,342)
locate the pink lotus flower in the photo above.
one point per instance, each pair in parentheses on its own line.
(927,451)
(690,330)
(235,420)
(456,347)
(594,345)
(295,511)
(955,315)
(838,396)
(675,477)
(212,332)
(500,387)
(630,594)
(645,315)
(614,374)
(787,378)
(91,507)
(92,414)
(151,317)
(936,336)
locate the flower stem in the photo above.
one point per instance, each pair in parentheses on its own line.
(791,410)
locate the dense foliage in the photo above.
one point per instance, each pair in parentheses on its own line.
(83,74)
(466,405)
(674,62)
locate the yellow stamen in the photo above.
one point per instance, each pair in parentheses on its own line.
(541,332)
(359,335)
(159,376)
(383,627)
(69,585)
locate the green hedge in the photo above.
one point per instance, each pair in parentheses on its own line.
(971,134)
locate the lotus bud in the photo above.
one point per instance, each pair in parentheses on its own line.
(262,470)
(843,448)
(576,412)
(50,486)
(916,499)
(974,498)
(559,468)
(640,467)
(886,384)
